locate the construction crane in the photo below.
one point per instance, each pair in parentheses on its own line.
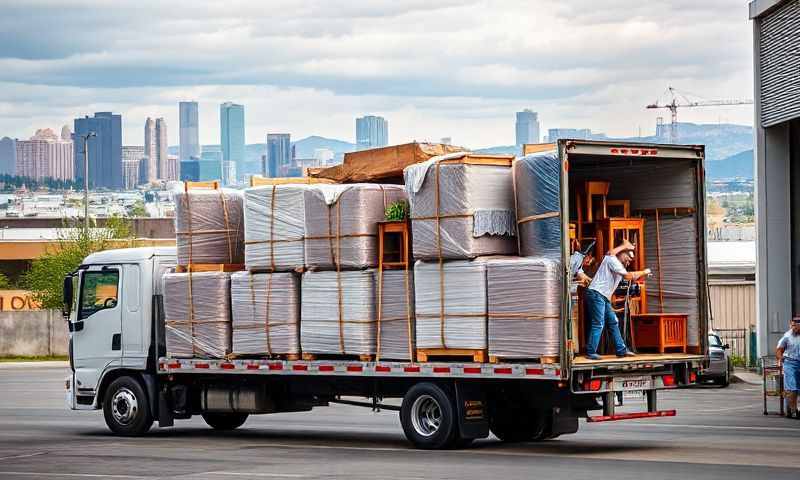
(675,99)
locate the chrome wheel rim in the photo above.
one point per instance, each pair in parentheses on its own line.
(426,415)
(124,406)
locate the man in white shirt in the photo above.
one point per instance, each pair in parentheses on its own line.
(598,298)
(788,355)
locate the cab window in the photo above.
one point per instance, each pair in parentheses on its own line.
(714,341)
(99,291)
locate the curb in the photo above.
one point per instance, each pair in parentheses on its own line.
(35,364)
(745,377)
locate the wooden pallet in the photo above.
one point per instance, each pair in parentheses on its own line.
(436,354)
(310,357)
(291,357)
(545,360)
(210,267)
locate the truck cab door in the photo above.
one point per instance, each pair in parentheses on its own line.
(97,329)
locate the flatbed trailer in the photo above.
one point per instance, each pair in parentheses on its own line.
(119,363)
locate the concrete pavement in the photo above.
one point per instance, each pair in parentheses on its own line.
(718,433)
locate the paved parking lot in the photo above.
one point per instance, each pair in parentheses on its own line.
(718,433)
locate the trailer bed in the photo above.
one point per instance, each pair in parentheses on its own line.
(641,360)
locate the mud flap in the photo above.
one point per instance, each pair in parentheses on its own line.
(564,421)
(473,418)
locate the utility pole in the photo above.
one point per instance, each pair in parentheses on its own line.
(86,138)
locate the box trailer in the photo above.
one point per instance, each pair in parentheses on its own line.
(119,363)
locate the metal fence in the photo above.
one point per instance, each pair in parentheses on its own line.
(738,339)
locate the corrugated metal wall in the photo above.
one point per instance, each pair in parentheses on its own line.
(733,306)
(779,38)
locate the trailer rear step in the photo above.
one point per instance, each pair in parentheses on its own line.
(630,416)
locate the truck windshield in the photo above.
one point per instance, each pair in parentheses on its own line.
(98,292)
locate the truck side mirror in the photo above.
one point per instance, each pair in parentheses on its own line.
(66,307)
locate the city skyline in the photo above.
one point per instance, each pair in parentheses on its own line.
(317,75)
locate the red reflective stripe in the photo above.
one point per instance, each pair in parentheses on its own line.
(411,369)
(326,368)
(354,368)
(382,368)
(504,370)
(630,416)
(441,369)
(534,371)
(200,365)
(558,373)
(669,380)
(614,150)
(276,366)
(300,367)
(174,365)
(653,152)
(227,366)
(472,369)
(252,366)
(161,366)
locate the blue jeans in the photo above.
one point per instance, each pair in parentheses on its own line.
(600,313)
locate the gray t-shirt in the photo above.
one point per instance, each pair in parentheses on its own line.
(790,343)
(608,275)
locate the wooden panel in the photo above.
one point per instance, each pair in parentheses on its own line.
(258,180)
(530,148)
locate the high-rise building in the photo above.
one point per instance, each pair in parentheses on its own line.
(66,134)
(45,155)
(172,168)
(208,167)
(527,127)
(556,134)
(189,131)
(371,132)
(132,158)
(155,149)
(8,156)
(279,154)
(231,122)
(105,149)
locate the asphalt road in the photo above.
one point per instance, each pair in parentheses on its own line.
(718,433)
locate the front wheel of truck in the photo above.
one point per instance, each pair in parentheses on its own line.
(225,421)
(125,407)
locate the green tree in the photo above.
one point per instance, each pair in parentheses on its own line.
(5,284)
(46,275)
(138,209)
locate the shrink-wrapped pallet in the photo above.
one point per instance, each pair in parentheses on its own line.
(537,186)
(274,227)
(338,312)
(462,206)
(209,225)
(450,304)
(524,303)
(396,334)
(266,313)
(197,314)
(341,223)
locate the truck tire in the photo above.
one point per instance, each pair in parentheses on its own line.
(428,417)
(125,407)
(225,421)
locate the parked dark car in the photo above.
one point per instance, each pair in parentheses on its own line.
(719,364)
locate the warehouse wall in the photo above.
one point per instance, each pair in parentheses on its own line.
(33,333)
(733,306)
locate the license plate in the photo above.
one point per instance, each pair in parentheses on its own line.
(627,384)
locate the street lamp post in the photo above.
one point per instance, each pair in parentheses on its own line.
(86,138)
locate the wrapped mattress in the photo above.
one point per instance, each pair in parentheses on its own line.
(450,304)
(266,313)
(338,312)
(274,227)
(460,208)
(197,314)
(209,226)
(395,290)
(524,304)
(537,186)
(341,223)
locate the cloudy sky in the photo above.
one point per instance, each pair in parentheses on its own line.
(433,68)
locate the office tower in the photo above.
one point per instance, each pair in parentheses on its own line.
(371,132)
(279,154)
(105,149)
(556,134)
(189,131)
(527,127)
(8,156)
(231,122)
(207,167)
(45,155)
(132,158)
(66,134)
(155,149)
(172,168)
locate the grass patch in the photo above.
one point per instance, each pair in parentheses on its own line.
(35,358)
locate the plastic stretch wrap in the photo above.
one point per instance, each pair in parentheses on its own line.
(537,187)
(464,304)
(197,314)
(338,312)
(524,296)
(266,313)
(274,221)
(475,209)
(397,314)
(341,223)
(209,226)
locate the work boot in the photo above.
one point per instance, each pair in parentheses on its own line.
(627,353)
(593,356)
